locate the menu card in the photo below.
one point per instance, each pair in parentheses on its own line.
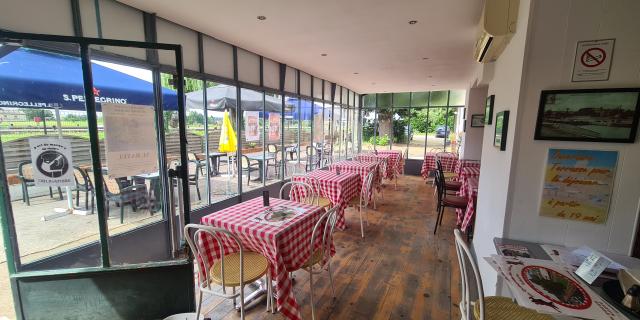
(277,216)
(592,267)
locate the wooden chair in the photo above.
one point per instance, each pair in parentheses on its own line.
(25,175)
(450,186)
(321,237)
(298,191)
(448,173)
(445,200)
(485,308)
(231,270)
(362,201)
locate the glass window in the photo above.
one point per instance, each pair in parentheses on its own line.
(384,128)
(291,144)
(419,99)
(318,127)
(336,132)
(306,147)
(370,101)
(327,140)
(401,129)
(457,97)
(384,100)
(401,99)
(437,129)
(418,129)
(368,129)
(452,138)
(222,136)
(438,98)
(273,135)
(252,164)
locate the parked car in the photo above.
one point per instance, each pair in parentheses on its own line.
(442,132)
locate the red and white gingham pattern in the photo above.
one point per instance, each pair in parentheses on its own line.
(339,189)
(372,157)
(429,164)
(466,163)
(469,190)
(396,158)
(469,172)
(286,247)
(361,168)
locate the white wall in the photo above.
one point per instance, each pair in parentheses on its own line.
(555,30)
(493,189)
(473,137)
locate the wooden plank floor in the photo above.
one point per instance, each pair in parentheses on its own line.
(399,271)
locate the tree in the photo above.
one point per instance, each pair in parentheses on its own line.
(42,113)
(195,118)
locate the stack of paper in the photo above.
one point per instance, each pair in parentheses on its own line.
(549,287)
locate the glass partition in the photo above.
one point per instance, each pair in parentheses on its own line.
(253,166)
(273,136)
(291,144)
(327,140)
(336,133)
(306,147)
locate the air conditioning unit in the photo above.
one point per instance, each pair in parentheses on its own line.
(497,26)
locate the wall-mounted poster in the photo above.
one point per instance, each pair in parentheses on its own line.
(52,163)
(251,125)
(578,184)
(274,126)
(502,128)
(126,156)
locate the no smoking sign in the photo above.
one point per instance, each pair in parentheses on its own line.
(593,60)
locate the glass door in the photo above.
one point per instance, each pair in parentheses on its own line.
(94,195)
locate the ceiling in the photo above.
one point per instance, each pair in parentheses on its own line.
(372,38)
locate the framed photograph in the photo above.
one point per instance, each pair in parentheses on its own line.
(477,120)
(502,127)
(488,109)
(595,115)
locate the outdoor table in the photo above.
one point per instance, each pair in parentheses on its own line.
(429,164)
(469,189)
(339,189)
(154,188)
(372,157)
(214,161)
(286,246)
(466,163)
(258,156)
(292,149)
(545,256)
(361,168)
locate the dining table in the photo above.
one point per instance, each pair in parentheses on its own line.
(468,190)
(287,246)
(469,172)
(214,161)
(396,158)
(377,157)
(465,163)
(338,188)
(261,158)
(522,263)
(448,160)
(361,168)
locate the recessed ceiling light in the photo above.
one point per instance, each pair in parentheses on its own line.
(413,21)
(373,83)
(262,18)
(323,54)
(433,85)
(355,73)
(429,76)
(425,58)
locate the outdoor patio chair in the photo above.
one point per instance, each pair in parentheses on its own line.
(194,176)
(248,167)
(120,191)
(192,157)
(25,174)
(312,159)
(84,184)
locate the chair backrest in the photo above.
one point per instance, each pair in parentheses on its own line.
(316,187)
(383,167)
(464,258)
(441,181)
(222,237)
(323,231)
(311,151)
(272,148)
(111,185)
(299,191)
(193,170)
(25,170)
(192,156)
(367,188)
(245,162)
(81,176)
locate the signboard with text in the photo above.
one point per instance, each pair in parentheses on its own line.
(51,162)
(593,60)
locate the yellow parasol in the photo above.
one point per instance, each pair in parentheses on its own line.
(227,136)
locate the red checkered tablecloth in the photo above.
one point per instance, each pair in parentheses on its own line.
(286,247)
(469,172)
(339,189)
(469,189)
(429,164)
(396,157)
(361,168)
(372,157)
(466,163)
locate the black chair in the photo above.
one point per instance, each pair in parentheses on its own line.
(194,176)
(312,159)
(122,192)
(25,175)
(445,200)
(451,186)
(84,184)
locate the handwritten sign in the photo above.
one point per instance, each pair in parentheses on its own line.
(578,184)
